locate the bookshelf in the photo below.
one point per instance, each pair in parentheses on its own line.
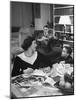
(58,28)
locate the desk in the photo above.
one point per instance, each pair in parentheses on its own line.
(36,89)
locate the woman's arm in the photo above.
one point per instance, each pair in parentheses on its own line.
(16,67)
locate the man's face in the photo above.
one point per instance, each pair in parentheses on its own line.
(45,29)
(64,52)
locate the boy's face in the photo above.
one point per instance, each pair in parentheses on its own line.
(64,52)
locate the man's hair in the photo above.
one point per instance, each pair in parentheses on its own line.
(69,50)
(46,26)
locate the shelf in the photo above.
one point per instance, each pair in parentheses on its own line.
(63,32)
(59,28)
(63,15)
(64,7)
(59,31)
(63,24)
(67,40)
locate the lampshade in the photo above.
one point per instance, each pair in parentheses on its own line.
(65,20)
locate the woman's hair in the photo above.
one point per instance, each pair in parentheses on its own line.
(27,42)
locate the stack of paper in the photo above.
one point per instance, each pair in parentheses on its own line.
(50,81)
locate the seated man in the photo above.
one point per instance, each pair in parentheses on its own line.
(47,41)
(45,35)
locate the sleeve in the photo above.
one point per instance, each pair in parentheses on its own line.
(69,60)
(16,67)
(57,60)
(43,61)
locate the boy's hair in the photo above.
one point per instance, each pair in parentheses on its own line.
(69,50)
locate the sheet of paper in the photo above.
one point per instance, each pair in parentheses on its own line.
(50,81)
(39,73)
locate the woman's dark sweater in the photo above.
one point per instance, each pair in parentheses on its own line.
(20,65)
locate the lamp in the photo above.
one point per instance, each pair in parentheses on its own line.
(65,20)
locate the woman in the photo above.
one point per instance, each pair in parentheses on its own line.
(29,59)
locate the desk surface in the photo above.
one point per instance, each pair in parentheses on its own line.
(35,89)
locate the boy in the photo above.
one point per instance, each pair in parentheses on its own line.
(63,64)
(65,56)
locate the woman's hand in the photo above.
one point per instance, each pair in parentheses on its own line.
(62,62)
(28,71)
(42,39)
(46,69)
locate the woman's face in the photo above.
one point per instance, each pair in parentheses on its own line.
(34,45)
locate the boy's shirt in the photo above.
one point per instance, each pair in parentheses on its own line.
(67,60)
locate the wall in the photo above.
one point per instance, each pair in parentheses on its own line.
(46,15)
(21,14)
